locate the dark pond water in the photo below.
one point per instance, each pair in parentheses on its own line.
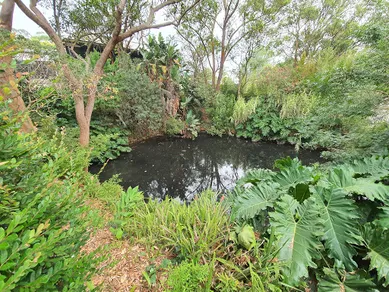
(182,168)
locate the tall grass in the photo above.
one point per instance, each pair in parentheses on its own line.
(195,231)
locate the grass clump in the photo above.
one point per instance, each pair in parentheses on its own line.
(195,231)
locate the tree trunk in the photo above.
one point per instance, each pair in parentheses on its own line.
(7,78)
(221,69)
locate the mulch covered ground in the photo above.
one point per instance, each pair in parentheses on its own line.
(122,271)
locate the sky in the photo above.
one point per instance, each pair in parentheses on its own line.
(20,21)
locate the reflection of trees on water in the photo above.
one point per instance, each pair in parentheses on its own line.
(183,168)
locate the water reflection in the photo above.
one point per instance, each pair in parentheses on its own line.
(182,168)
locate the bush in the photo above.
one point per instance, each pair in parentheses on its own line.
(43,219)
(140,107)
(174,126)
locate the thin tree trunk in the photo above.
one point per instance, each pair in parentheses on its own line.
(7,78)
(221,69)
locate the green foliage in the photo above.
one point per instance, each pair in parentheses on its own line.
(340,216)
(189,276)
(333,101)
(322,218)
(219,108)
(46,221)
(174,126)
(261,272)
(242,110)
(139,106)
(124,209)
(246,237)
(195,231)
(192,125)
(107,192)
(105,143)
(297,225)
(378,253)
(335,281)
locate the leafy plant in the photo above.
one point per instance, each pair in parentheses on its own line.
(321,218)
(43,220)
(124,209)
(189,276)
(195,231)
(174,126)
(192,125)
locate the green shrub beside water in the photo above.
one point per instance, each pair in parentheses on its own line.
(43,219)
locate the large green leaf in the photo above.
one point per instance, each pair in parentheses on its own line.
(332,282)
(377,167)
(255,176)
(377,243)
(383,217)
(290,177)
(297,226)
(340,216)
(300,192)
(292,173)
(343,178)
(254,200)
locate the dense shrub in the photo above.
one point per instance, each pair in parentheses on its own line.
(327,102)
(140,105)
(174,126)
(43,218)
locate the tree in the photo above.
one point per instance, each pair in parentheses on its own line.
(9,90)
(122,24)
(216,27)
(311,26)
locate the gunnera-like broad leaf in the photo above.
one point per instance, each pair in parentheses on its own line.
(256,176)
(340,216)
(377,243)
(383,217)
(374,166)
(254,200)
(297,227)
(343,178)
(290,177)
(300,192)
(333,282)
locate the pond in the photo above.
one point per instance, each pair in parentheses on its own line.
(182,168)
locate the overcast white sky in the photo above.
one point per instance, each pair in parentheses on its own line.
(20,21)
